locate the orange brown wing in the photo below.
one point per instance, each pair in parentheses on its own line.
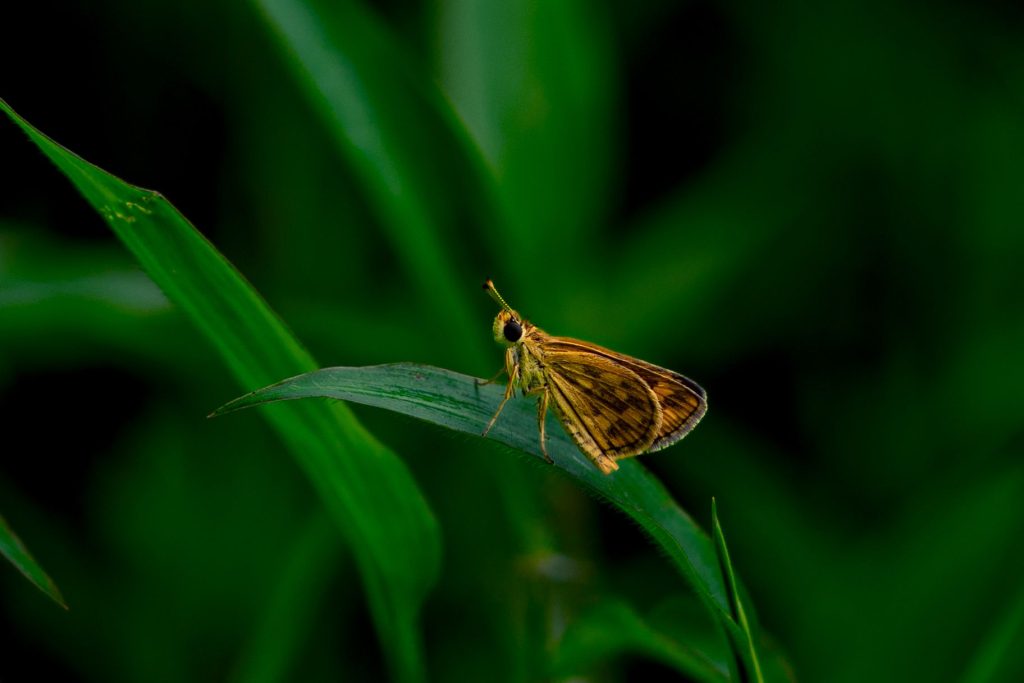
(683,402)
(609,411)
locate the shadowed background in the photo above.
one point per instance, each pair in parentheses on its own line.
(815,213)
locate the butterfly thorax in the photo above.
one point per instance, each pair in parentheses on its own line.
(528,363)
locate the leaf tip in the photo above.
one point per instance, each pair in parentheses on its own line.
(217,412)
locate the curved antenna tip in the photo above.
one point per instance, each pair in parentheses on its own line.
(493,291)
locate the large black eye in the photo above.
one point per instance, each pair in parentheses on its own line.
(513,331)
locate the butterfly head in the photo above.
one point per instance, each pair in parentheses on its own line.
(509,326)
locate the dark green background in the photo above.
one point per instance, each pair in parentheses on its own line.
(815,212)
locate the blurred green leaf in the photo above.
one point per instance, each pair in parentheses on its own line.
(999,656)
(613,628)
(14,550)
(290,609)
(537,84)
(391,529)
(739,614)
(74,301)
(387,127)
(460,403)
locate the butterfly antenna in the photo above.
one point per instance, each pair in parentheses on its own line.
(489,286)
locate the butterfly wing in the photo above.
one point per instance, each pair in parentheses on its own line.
(607,408)
(683,402)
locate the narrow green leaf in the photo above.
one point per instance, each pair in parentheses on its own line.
(14,550)
(458,402)
(734,597)
(390,527)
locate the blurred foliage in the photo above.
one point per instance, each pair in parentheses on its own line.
(18,555)
(814,211)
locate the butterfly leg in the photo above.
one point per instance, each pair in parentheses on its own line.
(512,368)
(501,406)
(491,380)
(542,411)
(513,372)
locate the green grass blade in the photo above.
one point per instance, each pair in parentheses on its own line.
(456,401)
(15,551)
(736,603)
(392,532)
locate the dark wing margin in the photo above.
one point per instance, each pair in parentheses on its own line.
(683,402)
(607,408)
